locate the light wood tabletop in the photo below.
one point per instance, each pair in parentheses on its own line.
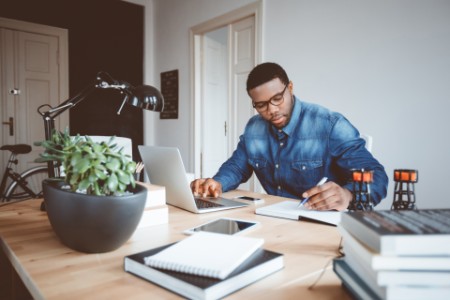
(50,270)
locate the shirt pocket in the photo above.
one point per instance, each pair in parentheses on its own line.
(307,172)
(260,167)
(258,164)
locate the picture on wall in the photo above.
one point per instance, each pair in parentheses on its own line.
(169,89)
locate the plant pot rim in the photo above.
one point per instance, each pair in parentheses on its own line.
(58,182)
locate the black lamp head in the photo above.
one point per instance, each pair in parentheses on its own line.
(146,97)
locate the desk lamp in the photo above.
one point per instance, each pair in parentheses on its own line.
(144,96)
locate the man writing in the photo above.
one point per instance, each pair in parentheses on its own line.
(291,145)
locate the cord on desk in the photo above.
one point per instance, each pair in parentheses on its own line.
(340,254)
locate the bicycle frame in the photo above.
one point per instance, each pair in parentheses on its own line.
(7,174)
(19,179)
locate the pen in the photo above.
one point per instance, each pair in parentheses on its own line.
(322,181)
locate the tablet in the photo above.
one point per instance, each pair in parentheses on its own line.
(224,226)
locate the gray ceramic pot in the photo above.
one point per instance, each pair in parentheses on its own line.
(89,223)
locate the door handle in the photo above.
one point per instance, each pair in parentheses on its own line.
(14,91)
(11,126)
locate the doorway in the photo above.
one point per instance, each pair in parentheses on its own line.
(224,52)
(34,71)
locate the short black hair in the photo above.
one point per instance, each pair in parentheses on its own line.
(265,72)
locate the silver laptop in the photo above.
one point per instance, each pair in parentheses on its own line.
(164,167)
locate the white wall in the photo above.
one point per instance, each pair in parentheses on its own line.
(384,64)
(173,20)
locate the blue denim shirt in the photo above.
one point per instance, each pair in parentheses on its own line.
(315,143)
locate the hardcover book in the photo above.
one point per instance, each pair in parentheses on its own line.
(259,265)
(155,215)
(156,195)
(363,287)
(401,232)
(376,261)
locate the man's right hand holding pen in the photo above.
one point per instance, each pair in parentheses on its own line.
(327,196)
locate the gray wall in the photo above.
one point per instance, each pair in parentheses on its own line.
(384,64)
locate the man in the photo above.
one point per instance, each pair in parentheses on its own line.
(291,145)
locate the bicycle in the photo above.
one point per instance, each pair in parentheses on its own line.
(21,186)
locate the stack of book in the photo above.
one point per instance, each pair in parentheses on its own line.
(388,254)
(205,265)
(156,211)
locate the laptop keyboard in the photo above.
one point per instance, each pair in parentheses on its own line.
(206,204)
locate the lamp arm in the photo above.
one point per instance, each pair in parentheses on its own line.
(144,96)
(48,113)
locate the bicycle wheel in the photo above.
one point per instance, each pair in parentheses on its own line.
(32,180)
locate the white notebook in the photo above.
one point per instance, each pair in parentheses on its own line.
(289,210)
(206,254)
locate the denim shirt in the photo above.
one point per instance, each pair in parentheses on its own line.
(315,143)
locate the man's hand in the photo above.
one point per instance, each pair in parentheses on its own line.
(206,187)
(329,196)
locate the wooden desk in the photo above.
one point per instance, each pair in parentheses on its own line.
(50,270)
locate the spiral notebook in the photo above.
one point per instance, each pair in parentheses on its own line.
(206,254)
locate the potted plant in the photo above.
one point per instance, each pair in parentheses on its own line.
(96,206)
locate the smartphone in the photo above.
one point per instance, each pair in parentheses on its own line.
(248,198)
(224,226)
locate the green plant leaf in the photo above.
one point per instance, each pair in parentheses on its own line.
(99,168)
(123,177)
(113,164)
(82,165)
(100,174)
(84,184)
(112,182)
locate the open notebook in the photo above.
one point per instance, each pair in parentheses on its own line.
(289,210)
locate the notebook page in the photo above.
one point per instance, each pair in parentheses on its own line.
(289,209)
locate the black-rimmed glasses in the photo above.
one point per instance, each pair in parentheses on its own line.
(276,100)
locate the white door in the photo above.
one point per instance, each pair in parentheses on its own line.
(243,27)
(228,55)
(242,62)
(214,101)
(31,76)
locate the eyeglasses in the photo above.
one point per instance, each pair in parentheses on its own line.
(276,100)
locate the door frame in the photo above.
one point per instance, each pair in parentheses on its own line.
(196,33)
(61,35)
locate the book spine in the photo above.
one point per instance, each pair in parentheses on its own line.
(351,222)
(392,239)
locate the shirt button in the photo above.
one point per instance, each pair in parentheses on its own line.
(257,165)
(281,144)
(279,187)
(276,166)
(303,167)
(279,130)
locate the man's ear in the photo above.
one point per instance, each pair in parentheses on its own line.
(291,87)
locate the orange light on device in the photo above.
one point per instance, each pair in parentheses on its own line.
(406,175)
(362,176)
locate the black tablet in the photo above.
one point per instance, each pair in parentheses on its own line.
(224,226)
